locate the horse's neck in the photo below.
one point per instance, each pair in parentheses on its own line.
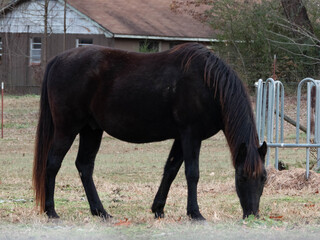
(240,129)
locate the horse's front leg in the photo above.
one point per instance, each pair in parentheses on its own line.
(191,150)
(171,169)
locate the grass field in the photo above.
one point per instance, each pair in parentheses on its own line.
(127,177)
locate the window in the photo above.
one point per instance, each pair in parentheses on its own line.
(173,44)
(83,42)
(0,50)
(149,46)
(35,50)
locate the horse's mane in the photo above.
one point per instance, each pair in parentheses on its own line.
(239,124)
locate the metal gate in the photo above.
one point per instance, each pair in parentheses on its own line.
(270,118)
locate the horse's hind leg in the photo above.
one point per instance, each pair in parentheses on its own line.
(59,147)
(89,145)
(171,169)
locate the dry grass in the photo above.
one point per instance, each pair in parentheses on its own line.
(293,179)
(127,177)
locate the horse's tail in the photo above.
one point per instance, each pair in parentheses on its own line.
(43,141)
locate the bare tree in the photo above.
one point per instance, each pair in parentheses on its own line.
(256,30)
(296,13)
(45,34)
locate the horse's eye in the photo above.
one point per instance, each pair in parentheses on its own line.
(242,179)
(263,178)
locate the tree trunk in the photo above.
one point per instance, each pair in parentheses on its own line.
(65,25)
(45,39)
(296,13)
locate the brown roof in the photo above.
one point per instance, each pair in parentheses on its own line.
(142,18)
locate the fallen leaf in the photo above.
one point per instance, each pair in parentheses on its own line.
(276,217)
(309,205)
(124,222)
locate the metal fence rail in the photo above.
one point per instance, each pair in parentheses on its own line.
(270,118)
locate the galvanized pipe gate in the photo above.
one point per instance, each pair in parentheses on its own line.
(270,118)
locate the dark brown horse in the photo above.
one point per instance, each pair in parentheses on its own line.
(186,94)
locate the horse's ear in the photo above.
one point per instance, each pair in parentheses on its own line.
(263,149)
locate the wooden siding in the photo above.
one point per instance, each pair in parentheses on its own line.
(21,77)
(28,17)
(26,21)
(17,72)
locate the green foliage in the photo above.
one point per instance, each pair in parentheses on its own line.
(253,32)
(253,222)
(148,47)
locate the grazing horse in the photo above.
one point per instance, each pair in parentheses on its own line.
(186,94)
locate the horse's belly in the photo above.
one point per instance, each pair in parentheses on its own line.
(137,124)
(141,132)
(149,116)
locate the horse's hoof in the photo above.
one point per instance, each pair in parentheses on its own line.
(53,218)
(105,217)
(196,217)
(108,217)
(52,215)
(199,219)
(101,213)
(158,215)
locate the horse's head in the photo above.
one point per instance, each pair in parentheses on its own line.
(250,187)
